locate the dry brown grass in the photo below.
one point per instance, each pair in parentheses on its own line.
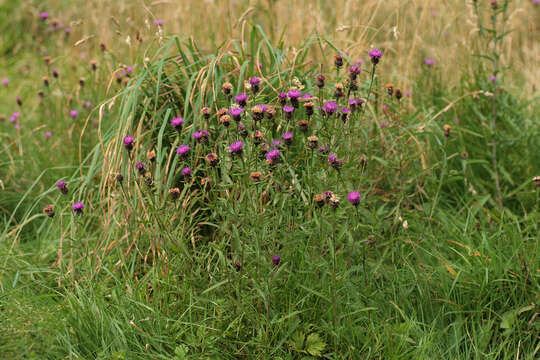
(409,31)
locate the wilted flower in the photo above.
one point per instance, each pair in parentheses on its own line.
(320,81)
(226,88)
(183,150)
(212,159)
(447,129)
(309,108)
(174,193)
(319,199)
(333,201)
(205,111)
(78,208)
(242,130)
(151,155)
(536,181)
(258,137)
(49,210)
(225,120)
(354,197)
(258,112)
(236,148)
(338,60)
(398,94)
(389,89)
(303,125)
(313,141)
(255,176)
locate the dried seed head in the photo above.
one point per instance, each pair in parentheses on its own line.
(255,176)
(93,65)
(151,155)
(398,94)
(227,88)
(49,210)
(320,81)
(119,178)
(270,113)
(447,129)
(205,111)
(45,81)
(333,201)
(212,159)
(303,125)
(313,142)
(174,194)
(225,120)
(338,60)
(339,90)
(536,181)
(309,106)
(319,199)
(221,112)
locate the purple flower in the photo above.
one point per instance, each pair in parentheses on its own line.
(294,94)
(276,260)
(494,78)
(62,186)
(282,98)
(158,23)
(241,99)
(15,116)
(429,62)
(128,142)
(332,158)
(67,30)
(201,136)
(43,15)
(375,56)
(324,149)
(236,113)
(129,69)
(354,70)
(276,143)
(5,81)
(287,138)
(236,148)
(177,122)
(141,167)
(330,107)
(88,104)
(307,96)
(273,156)
(182,150)
(335,161)
(535,2)
(254,81)
(73,113)
(288,109)
(354,197)
(186,172)
(263,107)
(78,208)
(47,134)
(383,125)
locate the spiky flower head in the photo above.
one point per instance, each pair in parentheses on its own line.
(212,159)
(177,123)
(128,142)
(49,210)
(375,55)
(236,148)
(330,107)
(354,197)
(276,259)
(62,186)
(183,150)
(78,208)
(241,99)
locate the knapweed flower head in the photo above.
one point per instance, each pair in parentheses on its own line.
(287,138)
(141,167)
(43,15)
(78,208)
(494,78)
(255,176)
(429,62)
(276,259)
(47,134)
(62,186)
(325,149)
(313,141)
(258,112)
(236,113)
(5,81)
(236,148)
(294,94)
(201,136)
(226,88)
(288,110)
(174,193)
(319,199)
(254,81)
(330,107)
(158,23)
(276,143)
(73,113)
(205,111)
(88,104)
(128,142)
(333,201)
(375,55)
(354,197)
(447,128)
(182,150)
(354,71)
(303,125)
(320,81)
(15,116)
(338,60)
(335,161)
(282,98)
(186,172)
(273,156)
(151,155)
(241,99)
(225,120)
(345,111)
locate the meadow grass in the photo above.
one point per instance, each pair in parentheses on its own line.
(439,259)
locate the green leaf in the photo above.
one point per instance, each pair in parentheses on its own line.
(315,345)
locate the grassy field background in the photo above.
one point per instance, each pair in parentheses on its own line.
(439,259)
